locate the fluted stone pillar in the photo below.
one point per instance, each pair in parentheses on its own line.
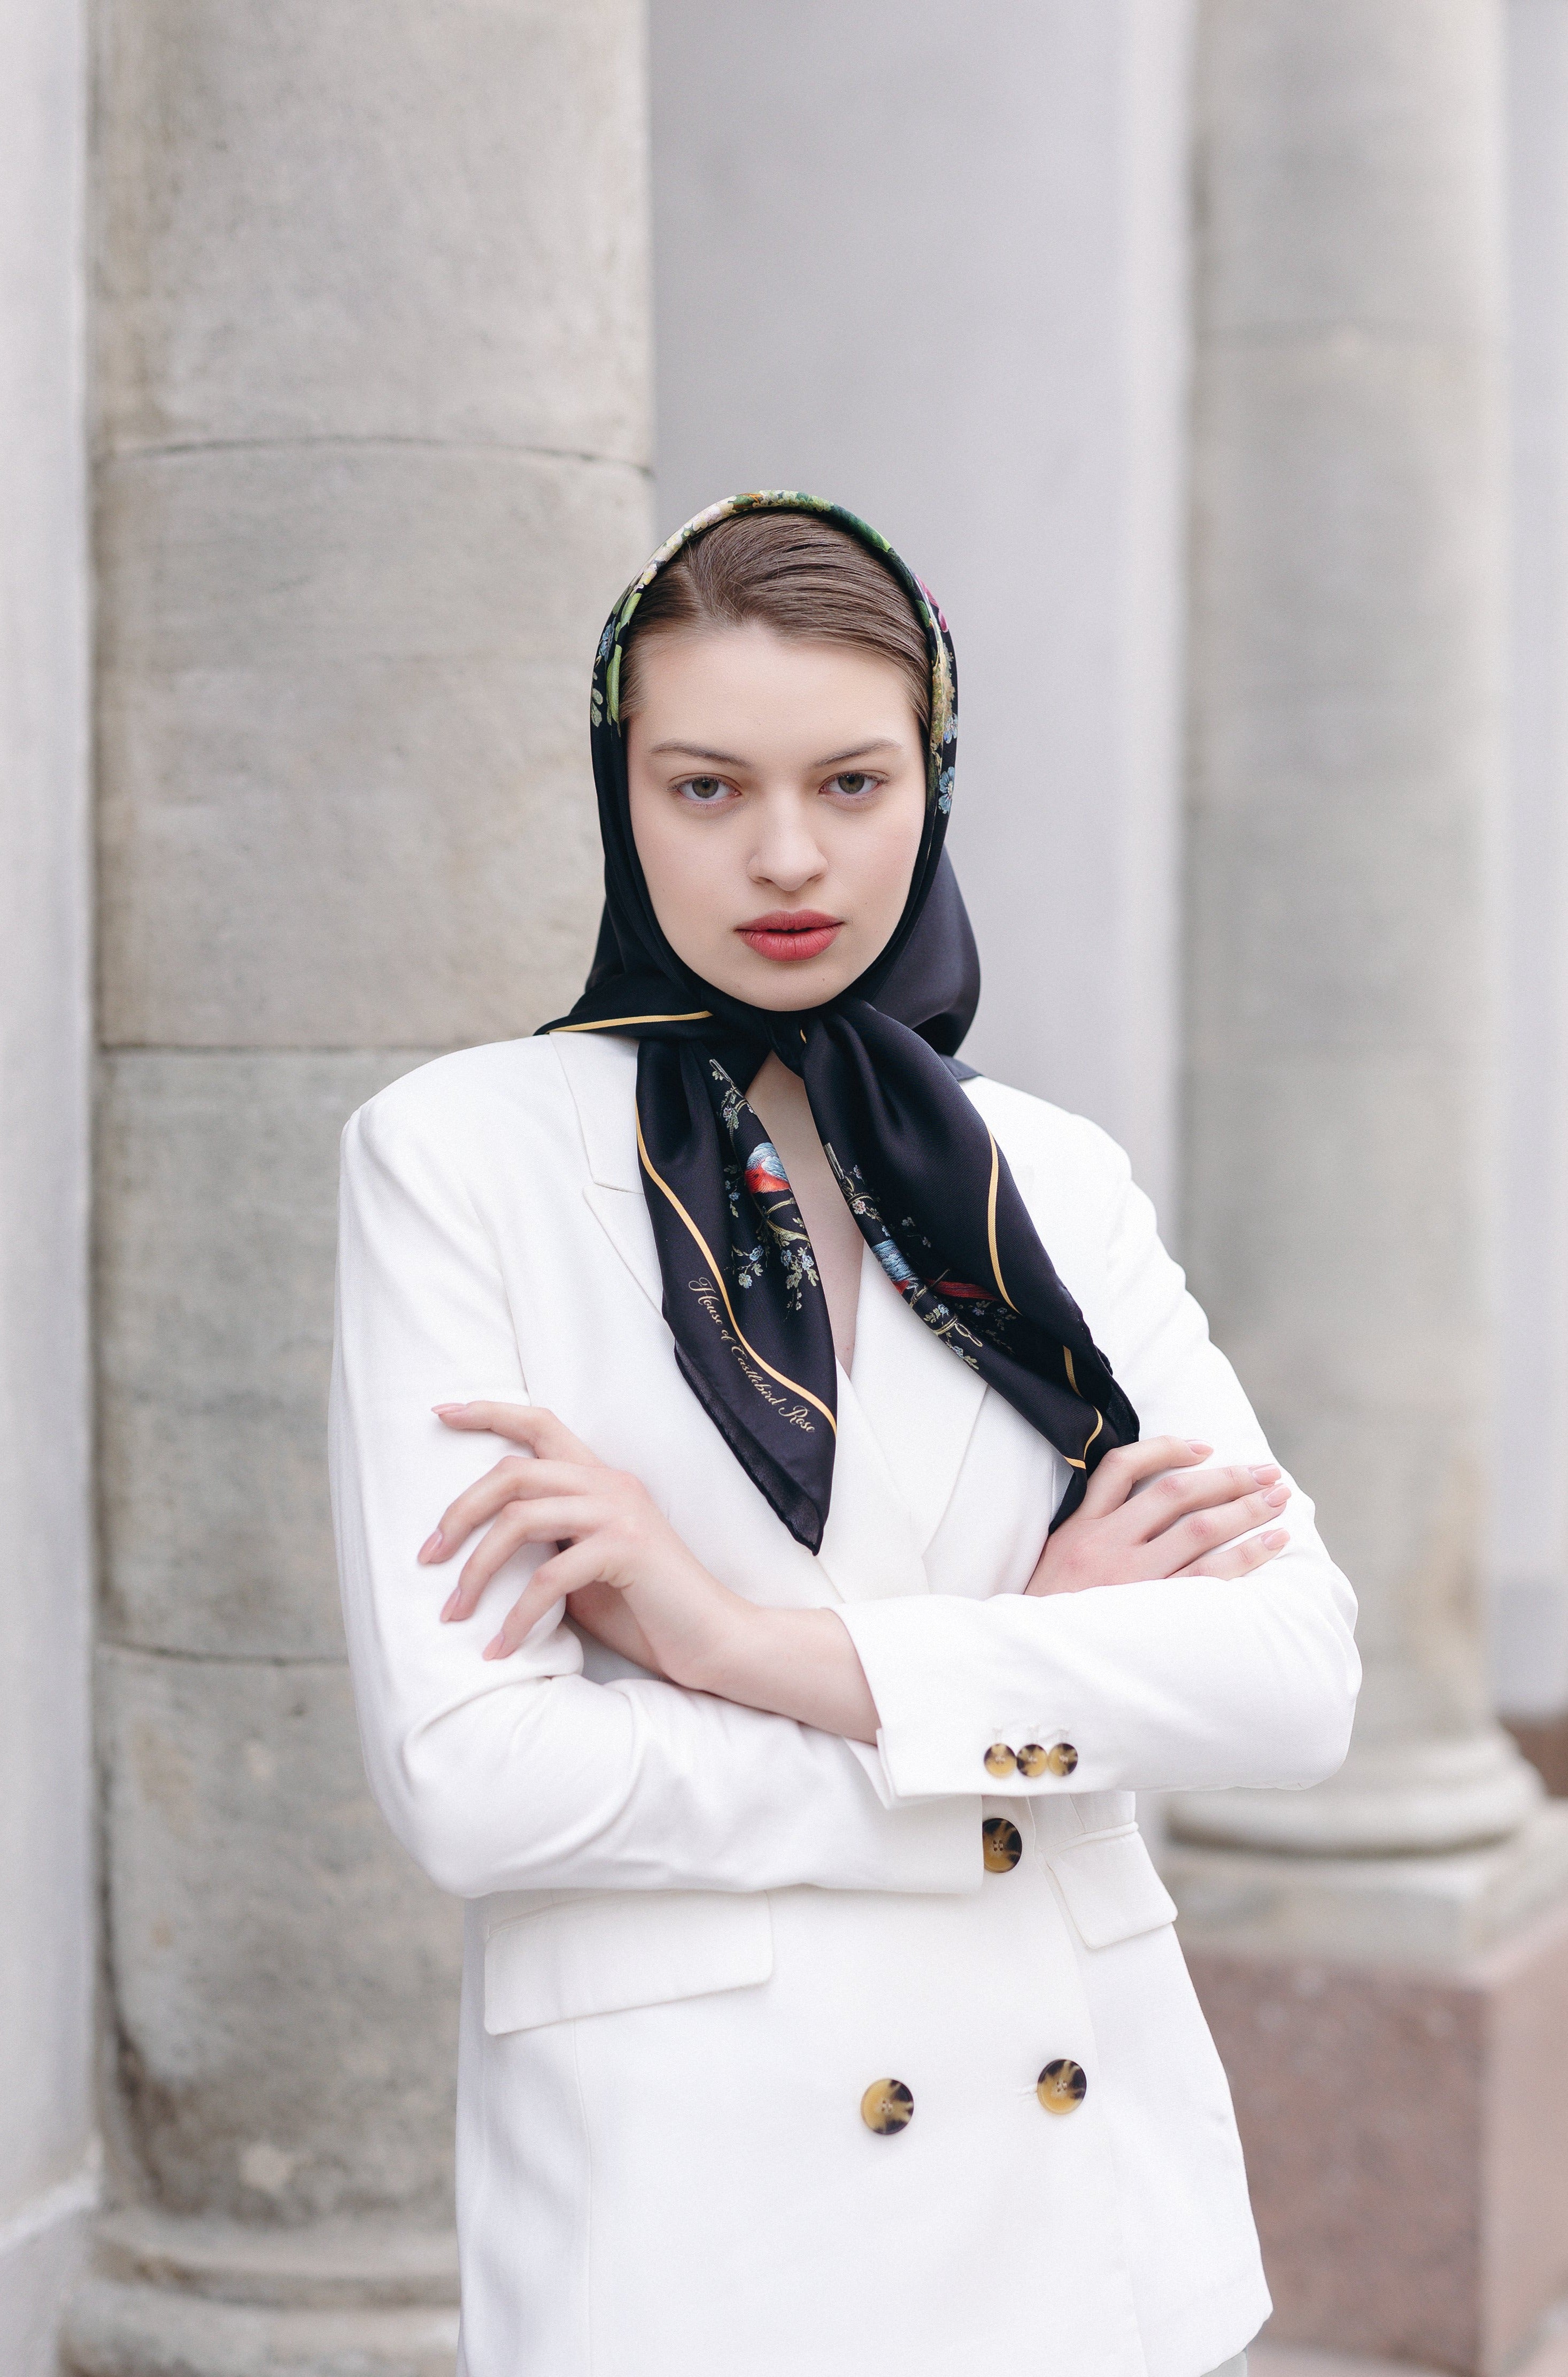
(372,448)
(1347,754)
(1383,1959)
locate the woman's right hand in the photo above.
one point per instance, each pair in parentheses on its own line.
(1188,1523)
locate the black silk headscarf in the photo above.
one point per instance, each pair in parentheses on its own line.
(917,1162)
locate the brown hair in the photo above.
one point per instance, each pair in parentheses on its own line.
(797,575)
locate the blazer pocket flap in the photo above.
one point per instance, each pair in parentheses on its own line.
(607,1955)
(1111,1889)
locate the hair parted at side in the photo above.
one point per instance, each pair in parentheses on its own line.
(800,576)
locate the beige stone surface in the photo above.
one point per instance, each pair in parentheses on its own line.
(1403,2131)
(119,2331)
(1546,2355)
(346,797)
(373,220)
(219,1185)
(1408,1912)
(285,1985)
(330,2265)
(1297,2360)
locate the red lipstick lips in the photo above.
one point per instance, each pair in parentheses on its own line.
(792,932)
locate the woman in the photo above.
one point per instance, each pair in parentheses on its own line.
(873,1519)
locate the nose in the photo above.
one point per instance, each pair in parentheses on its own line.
(787,852)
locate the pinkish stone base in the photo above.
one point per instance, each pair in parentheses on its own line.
(1406,2140)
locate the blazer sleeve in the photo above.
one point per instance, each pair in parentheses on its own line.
(1186,1683)
(523,1774)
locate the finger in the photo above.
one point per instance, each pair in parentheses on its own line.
(512,1480)
(519,1523)
(1126,1467)
(1240,1559)
(528,1424)
(1193,1539)
(552,1582)
(1171,1497)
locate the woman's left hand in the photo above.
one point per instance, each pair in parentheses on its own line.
(614,1547)
(627,1578)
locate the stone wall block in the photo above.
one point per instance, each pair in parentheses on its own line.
(1341,185)
(369,220)
(285,1985)
(346,796)
(215,1246)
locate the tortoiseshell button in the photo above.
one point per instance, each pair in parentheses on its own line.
(1002,1844)
(887,2107)
(1034,1759)
(1000,1760)
(1062,2085)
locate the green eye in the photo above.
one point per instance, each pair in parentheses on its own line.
(852,782)
(703,790)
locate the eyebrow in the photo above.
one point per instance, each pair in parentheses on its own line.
(728,758)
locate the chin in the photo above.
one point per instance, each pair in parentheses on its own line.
(781,987)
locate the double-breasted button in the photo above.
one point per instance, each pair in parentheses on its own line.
(1002,1843)
(888,2106)
(1062,2085)
(1000,1760)
(1034,1759)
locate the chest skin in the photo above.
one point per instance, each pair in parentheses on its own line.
(778,1098)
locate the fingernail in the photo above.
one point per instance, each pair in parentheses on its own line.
(454,1601)
(441,1410)
(495,1649)
(431,1546)
(1277,1497)
(1275,1539)
(1194,1446)
(1266,1471)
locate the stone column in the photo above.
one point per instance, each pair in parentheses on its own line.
(48,2178)
(941,275)
(1384,1959)
(1347,749)
(373,400)
(1530,1518)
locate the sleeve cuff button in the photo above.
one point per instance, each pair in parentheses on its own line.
(1034,1759)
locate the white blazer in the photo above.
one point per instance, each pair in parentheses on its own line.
(697,1933)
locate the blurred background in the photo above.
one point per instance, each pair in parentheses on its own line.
(1209,359)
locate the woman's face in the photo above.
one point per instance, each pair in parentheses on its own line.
(777,799)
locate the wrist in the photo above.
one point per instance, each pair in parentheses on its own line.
(700,1628)
(729,1653)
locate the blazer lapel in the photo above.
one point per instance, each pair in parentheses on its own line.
(601,1075)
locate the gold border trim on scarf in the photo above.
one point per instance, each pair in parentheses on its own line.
(991,1223)
(1098,1416)
(793,1384)
(697,1015)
